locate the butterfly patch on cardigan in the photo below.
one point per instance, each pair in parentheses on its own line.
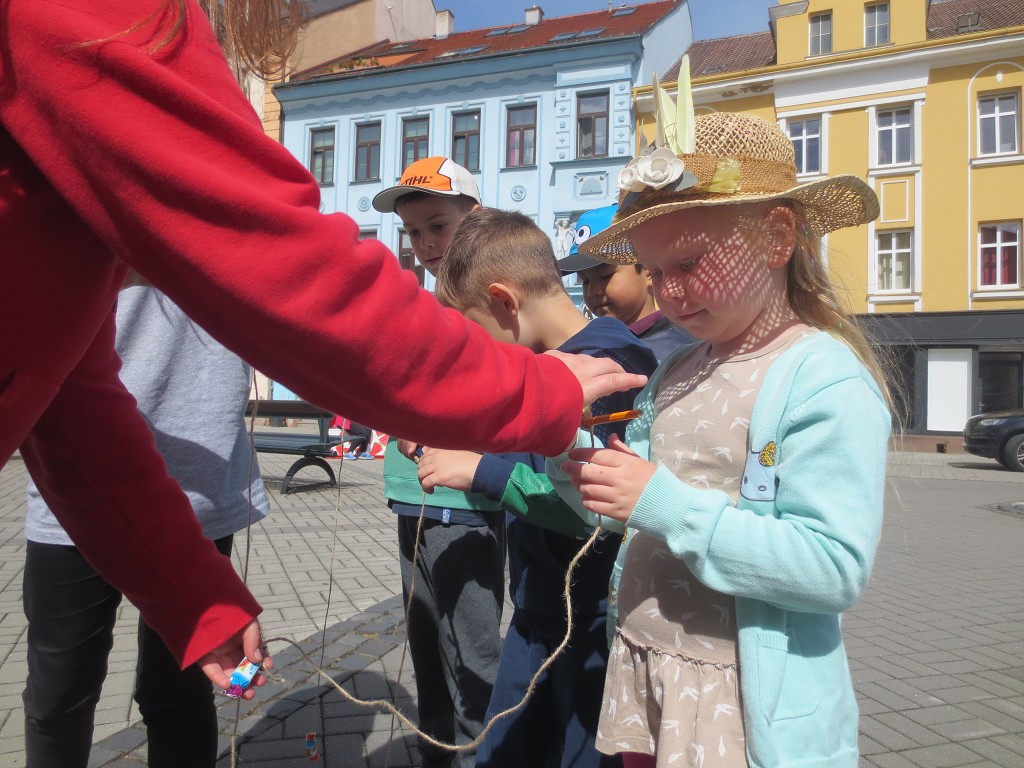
(759,474)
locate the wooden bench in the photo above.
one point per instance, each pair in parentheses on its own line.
(312,448)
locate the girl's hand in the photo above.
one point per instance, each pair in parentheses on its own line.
(451,469)
(612,480)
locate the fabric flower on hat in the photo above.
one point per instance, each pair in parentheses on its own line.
(653,171)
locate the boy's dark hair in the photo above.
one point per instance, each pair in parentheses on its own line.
(463,202)
(495,246)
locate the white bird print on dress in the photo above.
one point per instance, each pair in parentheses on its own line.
(633,720)
(709,687)
(613,707)
(704,386)
(756,373)
(698,755)
(660,438)
(705,643)
(701,426)
(700,481)
(676,411)
(747,392)
(689,693)
(718,394)
(697,407)
(740,422)
(723,613)
(679,459)
(724,709)
(721,746)
(671,725)
(681,584)
(675,756)
(655,613)
(727,481)
(724,375)
(722,451)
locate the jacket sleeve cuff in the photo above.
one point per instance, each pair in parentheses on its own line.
(492,476)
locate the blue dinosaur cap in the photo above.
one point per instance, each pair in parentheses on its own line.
(588,225)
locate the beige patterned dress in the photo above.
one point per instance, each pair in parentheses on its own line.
(672,688)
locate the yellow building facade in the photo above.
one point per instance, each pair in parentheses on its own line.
(923,100)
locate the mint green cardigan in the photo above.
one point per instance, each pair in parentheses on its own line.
(796,551)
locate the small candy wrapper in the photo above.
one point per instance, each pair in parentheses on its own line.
(242,678)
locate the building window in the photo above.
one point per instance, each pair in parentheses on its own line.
(806,137)
(368,234)
(367,152)
(821,33)
(876,24)
(321,155)
(466,140)
(999,255)
(406,256)
(998,124)
(415,140)
(895,260)
(895,136)
(592,125)
(521,139)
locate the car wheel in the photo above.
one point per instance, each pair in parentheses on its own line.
(1013,453)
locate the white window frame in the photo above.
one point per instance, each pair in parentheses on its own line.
(910,128)
(872,27)
(801,148)
(999,227)
(894,252)
(819,36)
(996,98)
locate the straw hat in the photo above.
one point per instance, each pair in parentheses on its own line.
(738,158)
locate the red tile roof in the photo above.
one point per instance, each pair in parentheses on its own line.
(727,54)
(957,17)
(624,21)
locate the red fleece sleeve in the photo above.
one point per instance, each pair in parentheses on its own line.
(163,158)
(97,467)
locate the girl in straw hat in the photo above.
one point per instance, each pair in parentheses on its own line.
(752,486)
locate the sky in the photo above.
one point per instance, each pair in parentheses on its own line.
(711,18)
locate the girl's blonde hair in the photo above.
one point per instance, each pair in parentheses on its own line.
(813,298)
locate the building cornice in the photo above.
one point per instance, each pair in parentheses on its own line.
(764,77)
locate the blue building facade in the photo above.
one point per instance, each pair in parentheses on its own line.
(545,128)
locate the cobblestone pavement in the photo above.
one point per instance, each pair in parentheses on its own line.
(936,645)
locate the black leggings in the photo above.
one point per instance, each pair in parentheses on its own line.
(71,613)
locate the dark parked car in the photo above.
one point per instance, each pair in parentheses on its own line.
(997,435)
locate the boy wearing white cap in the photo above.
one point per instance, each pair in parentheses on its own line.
(455,616)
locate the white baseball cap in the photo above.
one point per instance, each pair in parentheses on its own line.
(433,175)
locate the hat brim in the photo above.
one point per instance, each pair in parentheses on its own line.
(385,200)
(576,262)
(828,204)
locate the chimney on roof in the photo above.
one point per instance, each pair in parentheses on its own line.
(444,24)
(534,15)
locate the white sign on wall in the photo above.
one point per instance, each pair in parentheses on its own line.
(950,374)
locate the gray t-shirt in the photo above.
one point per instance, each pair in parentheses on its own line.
(192,393)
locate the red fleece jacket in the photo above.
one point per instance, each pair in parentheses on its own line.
(113,154)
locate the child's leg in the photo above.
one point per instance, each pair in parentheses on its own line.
(577,683)
(434,704)
(469,586)
(530,736)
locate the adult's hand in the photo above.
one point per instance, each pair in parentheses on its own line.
(408,449)
(219,663)
(599,376)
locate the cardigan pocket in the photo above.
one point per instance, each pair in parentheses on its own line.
(782,695)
